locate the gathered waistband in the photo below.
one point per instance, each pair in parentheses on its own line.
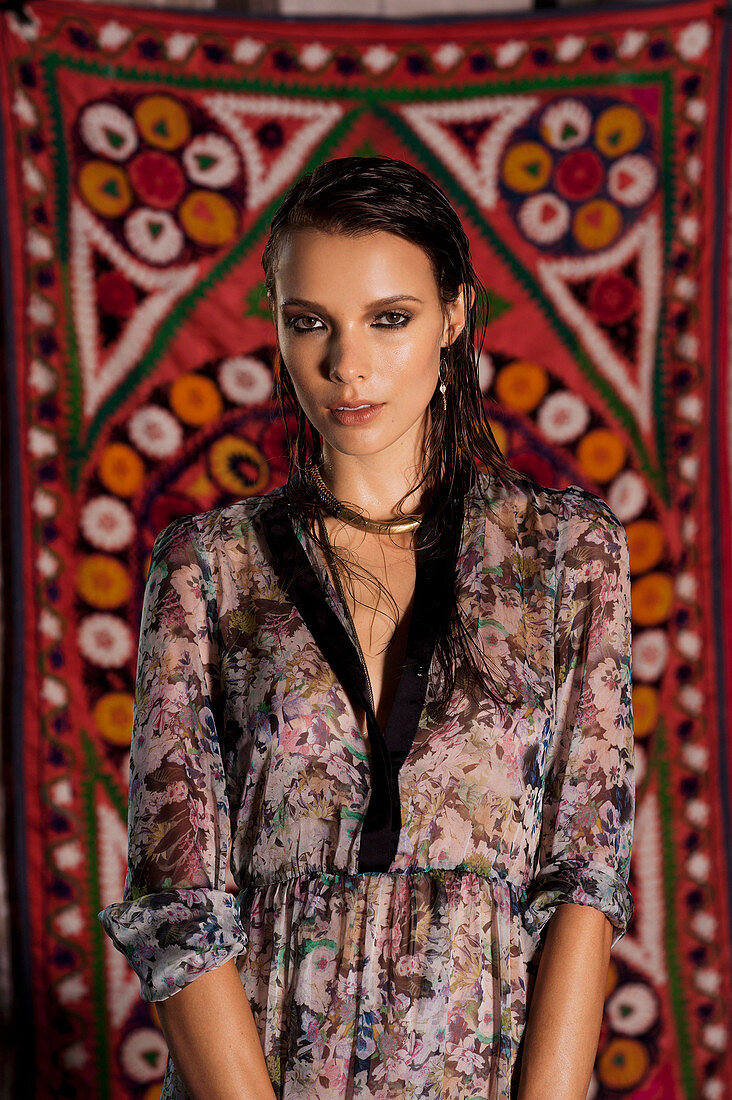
(258,880)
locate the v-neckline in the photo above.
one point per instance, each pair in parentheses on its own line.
(390,747)
(333,584)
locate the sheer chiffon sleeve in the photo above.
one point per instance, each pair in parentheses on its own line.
(589,796)
(176,920)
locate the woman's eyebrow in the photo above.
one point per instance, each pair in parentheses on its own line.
(371,305)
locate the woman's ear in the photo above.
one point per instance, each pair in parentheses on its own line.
(457,315)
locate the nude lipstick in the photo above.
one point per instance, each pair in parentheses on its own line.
(350,416)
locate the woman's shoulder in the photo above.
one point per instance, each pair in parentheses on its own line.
(583,509)
(216,528)
(527,495)
(542,514)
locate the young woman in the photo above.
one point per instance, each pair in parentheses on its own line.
(396,693)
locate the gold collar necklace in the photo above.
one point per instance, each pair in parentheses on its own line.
(355,519)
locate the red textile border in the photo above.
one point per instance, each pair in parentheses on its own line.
(605,364)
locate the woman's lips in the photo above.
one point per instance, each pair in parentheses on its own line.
(357,416)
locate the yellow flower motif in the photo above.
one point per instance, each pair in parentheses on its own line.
(526,167)
(618,130)
(596,224)
(103,581)
(645,710)
(162,121)
(105,188)
(229,456)
(208,218)
(113,715)
(623,1064)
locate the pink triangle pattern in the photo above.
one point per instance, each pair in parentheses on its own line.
(642,948)
(123,987)
(305,125)
(633,382)
(101,373)
(434,123)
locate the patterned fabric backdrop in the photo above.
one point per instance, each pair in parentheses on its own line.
(144,154)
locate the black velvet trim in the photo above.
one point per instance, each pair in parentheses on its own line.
(435,573)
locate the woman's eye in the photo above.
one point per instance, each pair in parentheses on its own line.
(402,319)
(291,324)
(395,313)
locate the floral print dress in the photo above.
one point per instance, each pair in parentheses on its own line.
(392,886)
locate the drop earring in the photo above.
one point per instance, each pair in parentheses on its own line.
(443,387)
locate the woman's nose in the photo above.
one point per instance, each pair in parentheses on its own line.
(346,372)
(347,368)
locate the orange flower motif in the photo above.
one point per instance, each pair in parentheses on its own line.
(652,599)
(601,454)
(195,399)
(521,385)
(121,470)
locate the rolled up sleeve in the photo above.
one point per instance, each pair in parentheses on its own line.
(589,792)
(175,920)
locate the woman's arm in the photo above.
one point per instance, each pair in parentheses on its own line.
(213,1039)
(177,924)
(565,1015)
(581,879)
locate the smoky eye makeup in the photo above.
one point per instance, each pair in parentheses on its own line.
(404,317)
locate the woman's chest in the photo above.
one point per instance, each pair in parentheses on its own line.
(300,758)
(378,601)
(285,703)
(314,637)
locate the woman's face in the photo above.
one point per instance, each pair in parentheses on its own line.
(359,322)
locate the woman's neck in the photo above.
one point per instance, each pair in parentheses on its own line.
(375,483)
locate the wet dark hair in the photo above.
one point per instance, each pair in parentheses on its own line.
(356,196)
